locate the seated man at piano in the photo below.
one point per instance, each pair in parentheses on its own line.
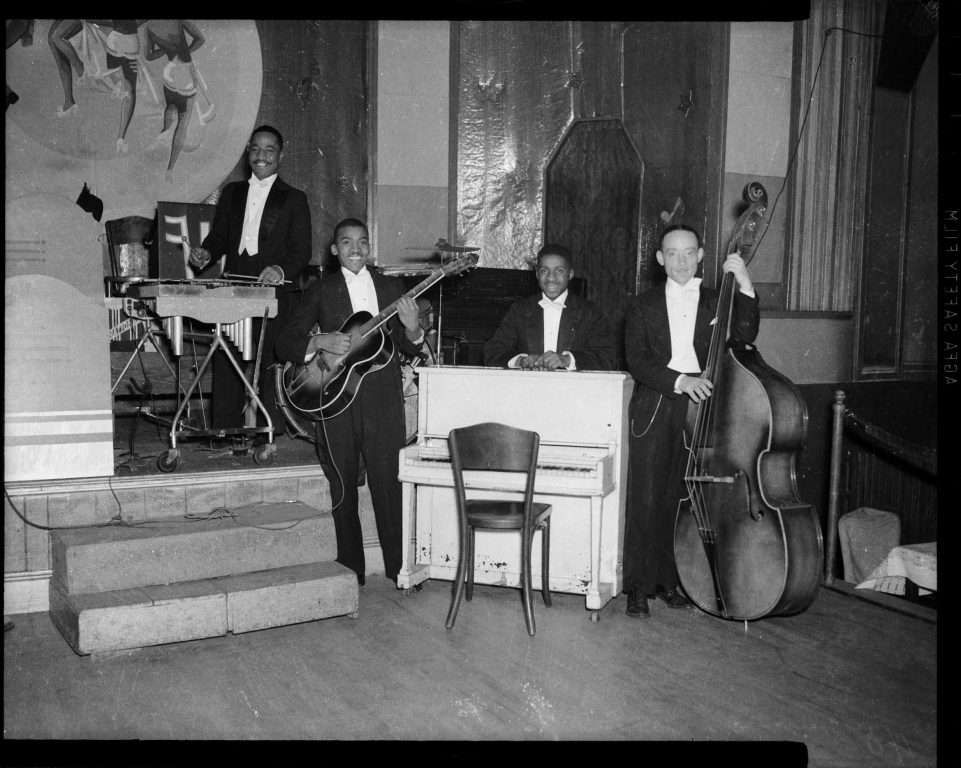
(666,338)
(366,416)
(556,330)
(262,226)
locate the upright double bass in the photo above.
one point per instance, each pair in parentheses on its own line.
(745,544)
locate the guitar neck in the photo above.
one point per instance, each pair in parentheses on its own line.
(388,312)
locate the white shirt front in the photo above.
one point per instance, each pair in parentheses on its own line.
(360,286)
(257,192)
(552,320)
(681,314)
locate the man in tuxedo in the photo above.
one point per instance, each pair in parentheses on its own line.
(262,227)
(372,425)
(667,336)
(557,330)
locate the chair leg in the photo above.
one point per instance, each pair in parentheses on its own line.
(546,562)
(470,564)
(458,592)
(526,586)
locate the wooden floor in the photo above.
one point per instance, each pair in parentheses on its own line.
(847,683)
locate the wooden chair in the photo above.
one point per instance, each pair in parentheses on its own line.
(498,447)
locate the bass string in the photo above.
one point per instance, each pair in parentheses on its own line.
(705,414)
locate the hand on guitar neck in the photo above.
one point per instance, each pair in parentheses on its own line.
(408,314)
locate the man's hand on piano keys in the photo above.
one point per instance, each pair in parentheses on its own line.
(551,361)
(548,361)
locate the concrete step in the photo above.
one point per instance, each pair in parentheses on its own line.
(123,619)
(260,537)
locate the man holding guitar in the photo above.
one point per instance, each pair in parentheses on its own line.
(354,362)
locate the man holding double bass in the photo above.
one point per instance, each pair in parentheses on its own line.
(667,336)
(372,423)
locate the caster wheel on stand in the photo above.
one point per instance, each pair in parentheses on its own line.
(168,460)
(265,454)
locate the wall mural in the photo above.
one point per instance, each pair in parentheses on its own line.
(138,110)
(104,118)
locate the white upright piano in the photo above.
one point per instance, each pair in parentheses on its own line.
(582,419)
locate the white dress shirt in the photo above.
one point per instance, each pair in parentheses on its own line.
(360,286)
(256,199)
(681,314)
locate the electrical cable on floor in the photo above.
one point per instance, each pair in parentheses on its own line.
(216,513)
(221,512)
(114,521)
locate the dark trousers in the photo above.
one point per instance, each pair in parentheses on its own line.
(654,486)
(229,394)
(372,426)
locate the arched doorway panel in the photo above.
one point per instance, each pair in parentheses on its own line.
(592,205)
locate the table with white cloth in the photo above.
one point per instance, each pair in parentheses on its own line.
(915,562)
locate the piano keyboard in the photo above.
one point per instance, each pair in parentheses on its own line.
(574,470)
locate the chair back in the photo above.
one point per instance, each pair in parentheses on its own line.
(493,447)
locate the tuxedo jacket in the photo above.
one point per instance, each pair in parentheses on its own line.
(647,341)
(284,238)
(584,332)
(326,303)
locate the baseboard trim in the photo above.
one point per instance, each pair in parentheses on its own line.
(26,592)
(891,602)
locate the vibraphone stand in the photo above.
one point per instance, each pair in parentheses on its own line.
(230,308)
(262,454)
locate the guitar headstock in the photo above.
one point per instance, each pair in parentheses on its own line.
(460,264)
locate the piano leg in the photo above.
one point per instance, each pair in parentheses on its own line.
(410,575)
(593,599)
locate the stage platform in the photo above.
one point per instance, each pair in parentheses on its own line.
(138,442)
(205,479)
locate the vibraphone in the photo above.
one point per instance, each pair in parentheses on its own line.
(230,306)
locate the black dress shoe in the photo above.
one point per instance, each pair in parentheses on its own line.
(637,606)
(672,597)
